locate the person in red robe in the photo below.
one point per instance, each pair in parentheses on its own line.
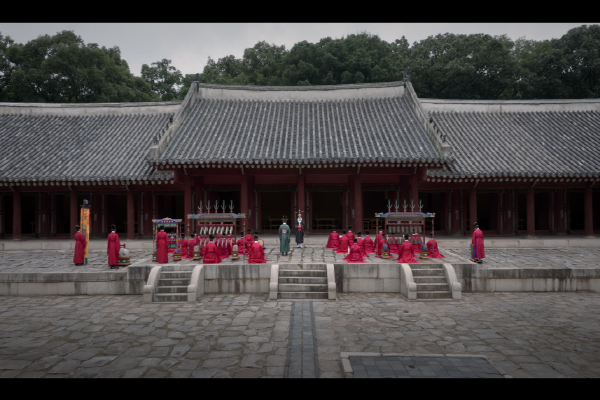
(241,243)
(354,256)
(162,246)
(211,252)
(406,252)
(79,247)
(350,236)
(432,248)
(189,248)
(112,250)
(393,245)
(249,241)
(416,243)
(257,253)
(379,236)
(361,244)
(183,245)
(478,246)
(332,241)
(369,248)
(380,244)
(343,244)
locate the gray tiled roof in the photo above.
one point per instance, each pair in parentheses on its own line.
(78,148)
(242,131)
(522,144)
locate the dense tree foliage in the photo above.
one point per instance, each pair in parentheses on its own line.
(62,68)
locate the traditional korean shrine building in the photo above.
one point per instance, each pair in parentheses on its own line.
(338,153)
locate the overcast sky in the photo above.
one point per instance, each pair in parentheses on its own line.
(188,46)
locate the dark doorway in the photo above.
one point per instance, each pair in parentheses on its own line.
(116,211)
(61,204)
(435,202)
(28,206)
(541,203)
(374,202)
(576,211)
(7,212)
(273,206)
(170,205)
(327,209)
(521,211)
(487,211)
(596,210)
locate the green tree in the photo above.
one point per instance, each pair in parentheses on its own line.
(164,79)
(63,69)
(474,66)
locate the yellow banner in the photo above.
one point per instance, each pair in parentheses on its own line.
(84,218)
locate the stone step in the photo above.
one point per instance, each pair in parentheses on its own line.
(174,282)
(291,287)
(302,295)
(423,287)
(434,295)
(302,273)
(296,280)
(177,268)
(171,289)
(176,274)
(163,297)
(428,272)
(426,266)
(429,279)
(307,267)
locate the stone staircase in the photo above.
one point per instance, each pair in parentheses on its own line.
(302,281)
(172,285)
(431,281)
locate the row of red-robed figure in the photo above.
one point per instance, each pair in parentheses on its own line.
(405,249)
(211,252)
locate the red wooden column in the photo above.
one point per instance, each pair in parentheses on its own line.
(130,215)
(198,183)
(301,195)
(414,188)
(73,212)
(560,211)
(358,204)
(244,205)
(472,208)
(16,215)
(530,213)
(45,217)
(588,212)
(507,212)
(404,185)
(455,226)
(187,204)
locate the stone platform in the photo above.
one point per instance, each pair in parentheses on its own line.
(52,272)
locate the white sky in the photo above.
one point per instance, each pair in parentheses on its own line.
(188,46)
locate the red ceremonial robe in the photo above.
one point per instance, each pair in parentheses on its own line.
(416,244)
(211,254)
(249,242)
(361,245)
(478,246)
(114,245)
(350,238)
(333,240)
(190,248)
(432,248)
(184,247)
(369,245)
(162,241)
(406,253)
(241,244)
(343,246)
(79,248)
(380,243)
(257,254)
(379,236)
(354,256)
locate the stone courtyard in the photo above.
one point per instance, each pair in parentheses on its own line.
(62,260)
(522,334)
